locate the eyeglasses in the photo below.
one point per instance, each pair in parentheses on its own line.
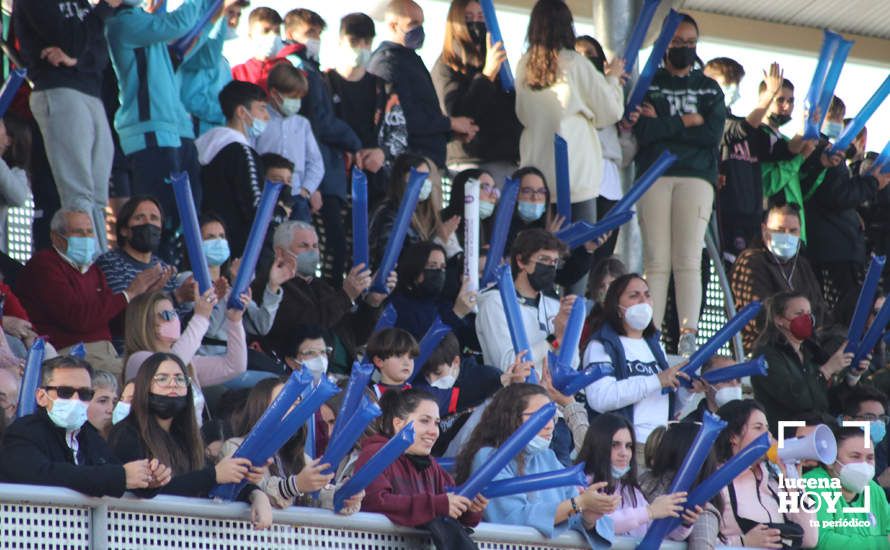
(168,315)
(546,260)
(313,353)
(177,380)
(528,192)
(67,392)
(490,189)
(874,418)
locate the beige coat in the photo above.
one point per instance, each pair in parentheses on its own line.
(580,101)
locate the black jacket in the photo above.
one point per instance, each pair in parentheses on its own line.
(76,28)
(428,129)
(494,111)
(34,451)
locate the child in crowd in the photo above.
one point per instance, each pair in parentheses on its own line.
(392,351)
(264,33)
(104,400)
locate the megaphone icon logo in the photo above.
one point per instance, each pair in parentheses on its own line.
(819,445)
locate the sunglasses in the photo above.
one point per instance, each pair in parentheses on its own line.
(67,392)
(168,315)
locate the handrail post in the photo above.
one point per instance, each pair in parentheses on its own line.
(99,526)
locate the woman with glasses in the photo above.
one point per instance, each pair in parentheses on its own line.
(467,81)
(161,425)
(674,213)
(558,91)
(751,502)
(152,325)
(625,337)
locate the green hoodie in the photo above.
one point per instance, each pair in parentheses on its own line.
(696,147)
(838,537)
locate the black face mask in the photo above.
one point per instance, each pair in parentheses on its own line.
(598,63)
(477,32)
(779,120)
(145,237)
(543,277)
(165,406)
(681,57)
(433,283)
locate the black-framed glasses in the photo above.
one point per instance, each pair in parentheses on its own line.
(67,392)
(528,192)
(178,380)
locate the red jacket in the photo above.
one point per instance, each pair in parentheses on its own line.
(256,71)
(406,495)
(65,304)
(12,307)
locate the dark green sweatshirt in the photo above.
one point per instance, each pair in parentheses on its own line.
(696,147)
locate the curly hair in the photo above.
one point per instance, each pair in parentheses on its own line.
(550,29)
(501,418)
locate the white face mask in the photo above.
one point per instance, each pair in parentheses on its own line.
(266,45)
(425,190)
(121,411)
(317,366)
(69,414)
(349,57)
(446,382)
(856,475)
(313,47)
(730,94)
(727,394)
(638,316)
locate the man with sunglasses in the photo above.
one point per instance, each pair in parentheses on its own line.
(57,446)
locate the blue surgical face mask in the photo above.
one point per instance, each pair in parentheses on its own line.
(414,38)
(256,128)
(730,94)
(537,445)
(832,129)
(485,209)
(81,250)
(878,431)
(216,251)
(530,211)
(121,411)
(425,190)
(290,105)
(783,245)
(618,473)
(69,414)
(230,33)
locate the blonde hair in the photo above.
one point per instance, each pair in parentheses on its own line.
(139,323)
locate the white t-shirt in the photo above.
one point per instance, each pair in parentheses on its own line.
(641,388)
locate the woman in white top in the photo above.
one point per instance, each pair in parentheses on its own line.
(558,91)
(627,338)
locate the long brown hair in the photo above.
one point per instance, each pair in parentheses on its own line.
(139,322)
(459,51)
(425,220)
(775,307)
(501,418)
(181,448)
(550,30)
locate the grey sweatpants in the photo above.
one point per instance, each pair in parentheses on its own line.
(79,149)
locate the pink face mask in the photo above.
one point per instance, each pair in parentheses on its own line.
(169,331)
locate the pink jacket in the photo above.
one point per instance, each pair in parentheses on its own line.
(211,369)
(633,521)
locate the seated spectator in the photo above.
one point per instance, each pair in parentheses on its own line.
(396,61)
(615,464)
(865,402)
(345,317)
(550,511)
(105,391)
(155,130)
(162,424)
(57,446)
(751,504)
(418,298)
(293,477)
(310,350)
(67,296)
(489,194)
(459,384)
(774,264)
(843,314)
(716,395)
(153,326)
(412,491)
(16,322)
(290,135)
(627,338)
(264,34)
(123,405)
(796,381)
(534,257)
(9,394)
(231,170)
(392,352)
(257,319)
(467,81)
(854,470)
(665,451)
(426,225)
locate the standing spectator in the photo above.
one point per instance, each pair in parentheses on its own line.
(64,49)
(396,62)
(264,33)
(559,92)
(67,296)
(359,97)
(467,83)
(154,128)
(674,214)
(9,394)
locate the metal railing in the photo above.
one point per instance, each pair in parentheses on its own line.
(55,518)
